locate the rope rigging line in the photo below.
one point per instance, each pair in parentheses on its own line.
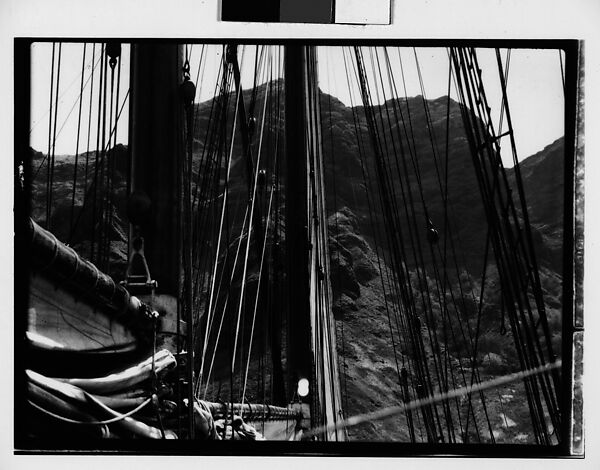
(562,70)
(396,286)
(464,114)
(260,272)
(113,51)
(212,172)
(224,307)
(259,174)
(518,270)
(333,211)
(185,177)
(437,398)
(330,399)
(77,142)
(461,287)
(263,273)
(214,296)
(86,200)
(252,205)
(97,156)
(366,179)
(238,338)
(89,130)
(116,419)
(469,329)
(426,298)
(441,379)
(60,129)
(394,231)
(66,89)
(420,270)
(217,251)
(227,297)
(441,292)
(528,342)
(506,70)
(211,163)
(531,251)
(48,155)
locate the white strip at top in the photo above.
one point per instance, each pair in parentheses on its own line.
(363,11)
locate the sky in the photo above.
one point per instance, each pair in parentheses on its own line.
(534,88)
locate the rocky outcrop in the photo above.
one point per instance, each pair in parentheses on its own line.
(351,255)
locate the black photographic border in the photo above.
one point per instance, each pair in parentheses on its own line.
(572,293)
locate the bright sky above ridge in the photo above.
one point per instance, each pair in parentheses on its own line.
(535,88)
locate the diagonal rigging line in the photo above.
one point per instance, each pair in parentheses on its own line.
(106,147)
(262,257)
(61,96)
(112,133)
(252,207)
(222,219)
(415,404)
(260,271)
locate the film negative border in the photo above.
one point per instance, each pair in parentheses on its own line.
(574,250)
(577,440)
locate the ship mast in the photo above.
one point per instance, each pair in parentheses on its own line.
(296,224)
(155,205)
(312,353)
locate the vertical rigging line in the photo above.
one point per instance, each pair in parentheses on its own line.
(523,303)
(201,241)
(469,340)
(389,122)
(419,262)
(562,70)
(86,200)
(226,304)
(71,109)
(499,238)
(97,159)
(87,152)
(210,167)
(52,164)
(434,147)
(444,258)
(256,221)
(335,214)
(260,272)
(108,200)
(506,70)
(221,224)
(252,204)
(537,290)
(186,249)
(103,170)
(77,143)
(225,94)
(366,179)
(400,268)
(48,155)
(199,81)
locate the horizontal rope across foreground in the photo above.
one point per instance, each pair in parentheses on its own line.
(415,404)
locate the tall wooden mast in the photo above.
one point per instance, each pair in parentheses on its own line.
(296,225)
(156,141)
(312,353)
(155,207)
